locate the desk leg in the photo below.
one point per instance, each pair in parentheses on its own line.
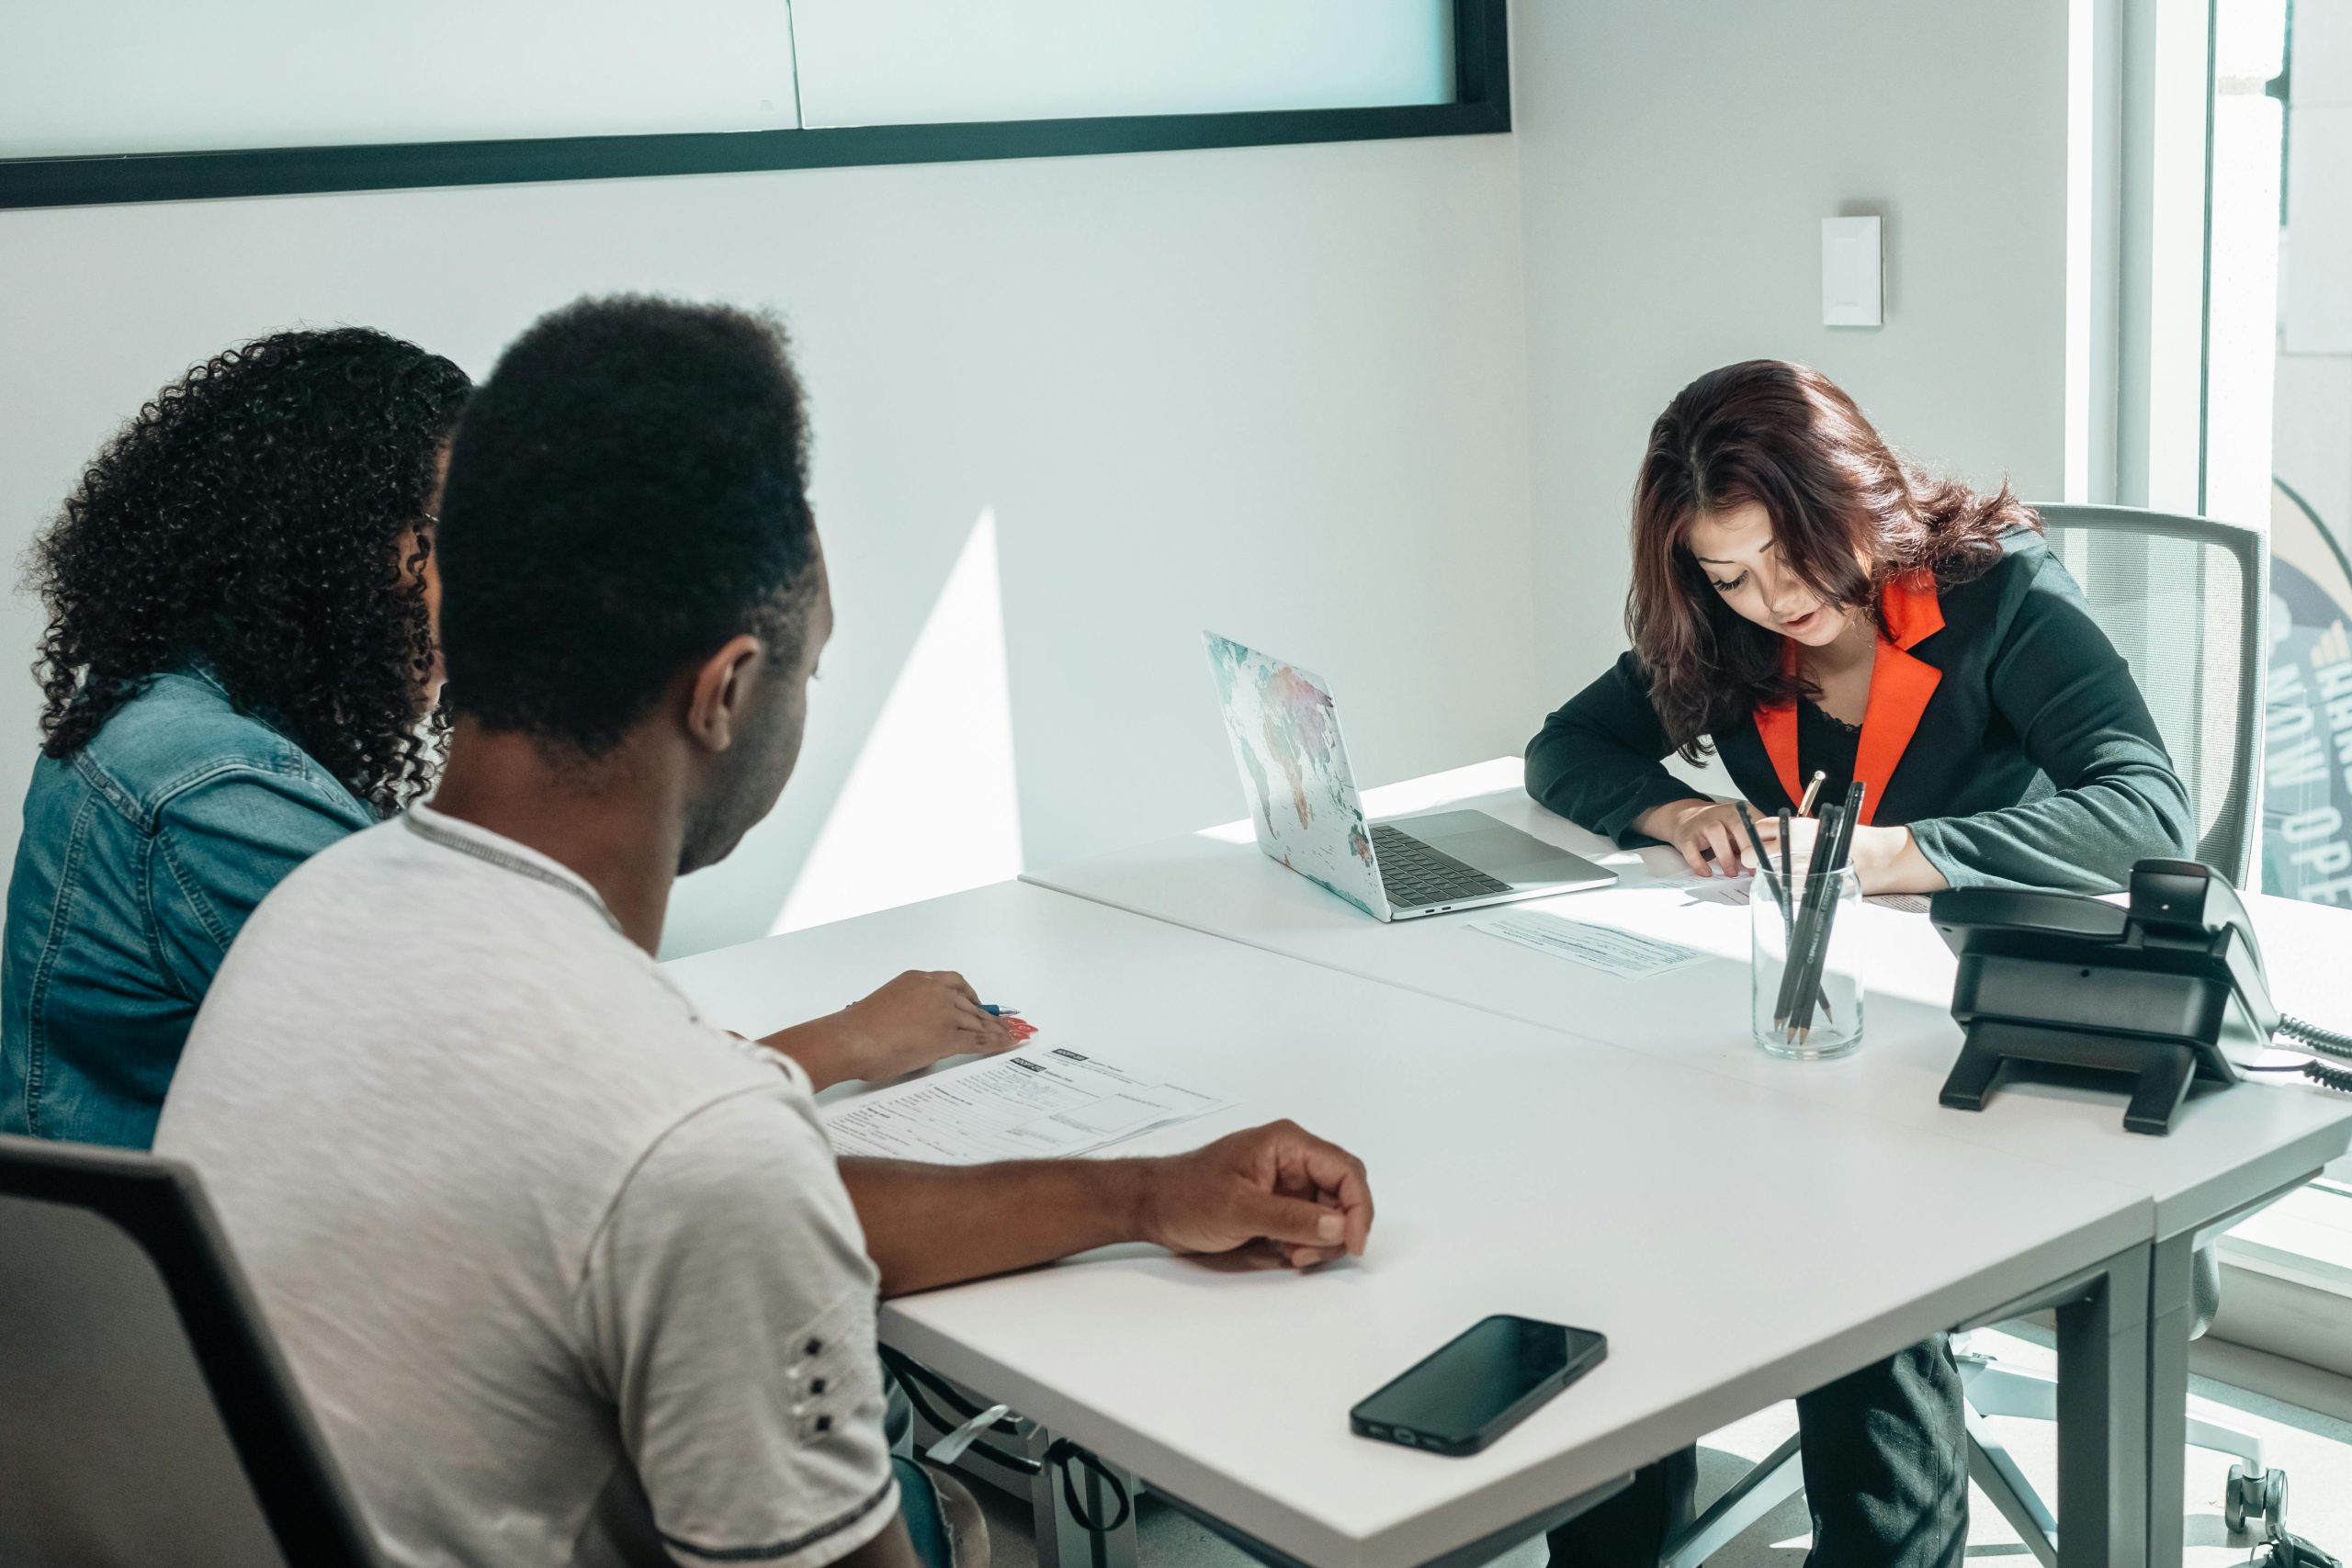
(2103,1368)
(1062,1541)
(2172,1310)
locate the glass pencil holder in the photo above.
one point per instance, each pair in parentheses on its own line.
(1810,928)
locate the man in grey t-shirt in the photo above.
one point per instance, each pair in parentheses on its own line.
(569,1276)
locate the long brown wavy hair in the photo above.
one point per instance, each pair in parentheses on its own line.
(1789,439)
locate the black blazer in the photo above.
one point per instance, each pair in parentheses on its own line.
(2003,729)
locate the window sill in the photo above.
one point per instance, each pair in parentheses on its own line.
(2287,1285)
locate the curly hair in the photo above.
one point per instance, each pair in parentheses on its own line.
(266,517)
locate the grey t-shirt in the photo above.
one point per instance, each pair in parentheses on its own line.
(566,1274)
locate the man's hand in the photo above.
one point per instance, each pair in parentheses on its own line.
(928,1226)
(913,1021)
(1275,1184)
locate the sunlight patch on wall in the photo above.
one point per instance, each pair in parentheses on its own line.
(932,804)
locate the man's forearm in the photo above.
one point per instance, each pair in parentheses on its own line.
(935,1225)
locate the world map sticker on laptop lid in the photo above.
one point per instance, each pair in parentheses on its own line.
(1285,737)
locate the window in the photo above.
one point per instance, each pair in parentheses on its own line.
(920,62)
(2278,439)
(2276,449)
(131,76)
(130,100)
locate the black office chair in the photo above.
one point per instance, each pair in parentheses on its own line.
(146,1416)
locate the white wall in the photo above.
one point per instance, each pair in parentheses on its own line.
(1279,391)
(1676,160)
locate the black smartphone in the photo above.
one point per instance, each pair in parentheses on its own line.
(1478,1385)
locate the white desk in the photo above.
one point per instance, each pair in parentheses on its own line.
(1739,1245)
(2228,1150)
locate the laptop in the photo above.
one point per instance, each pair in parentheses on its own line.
(1286,735)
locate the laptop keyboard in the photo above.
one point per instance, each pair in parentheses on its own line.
(1414,875)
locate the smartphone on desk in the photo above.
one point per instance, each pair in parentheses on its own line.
(1478,1385)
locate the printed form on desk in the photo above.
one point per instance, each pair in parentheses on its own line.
(1605,948)
(1031,1105)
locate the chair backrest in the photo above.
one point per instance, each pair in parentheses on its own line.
(145,1414)
(2183,599)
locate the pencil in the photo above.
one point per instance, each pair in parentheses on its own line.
(1763,859)
(1788,863)
(1808,916)
(1841,851)
(1764,869)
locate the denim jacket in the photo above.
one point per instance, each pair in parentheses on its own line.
(142,856)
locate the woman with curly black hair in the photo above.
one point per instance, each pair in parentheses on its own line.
(240,670)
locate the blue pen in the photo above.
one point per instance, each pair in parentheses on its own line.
(995,1011)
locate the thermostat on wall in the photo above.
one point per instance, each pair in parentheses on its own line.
(1850,259)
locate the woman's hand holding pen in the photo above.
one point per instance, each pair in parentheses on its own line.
(916,1019)
(1709,836)
(1699,829)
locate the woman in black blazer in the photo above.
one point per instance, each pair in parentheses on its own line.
(1806,601)
(1802,601)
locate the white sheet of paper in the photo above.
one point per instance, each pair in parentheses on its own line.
(1708,889)
(1599,947)
(1035,1103)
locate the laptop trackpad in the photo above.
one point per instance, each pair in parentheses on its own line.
(1498,850)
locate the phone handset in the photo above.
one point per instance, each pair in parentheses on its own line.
(2182,897)
(2185,896)
(2169,895)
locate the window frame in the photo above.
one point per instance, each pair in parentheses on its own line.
(1481,107)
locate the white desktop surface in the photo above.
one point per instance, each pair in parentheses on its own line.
(1737,1245)
(2225,1149)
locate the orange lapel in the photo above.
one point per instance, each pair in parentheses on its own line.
(1900,687)
(1778,727)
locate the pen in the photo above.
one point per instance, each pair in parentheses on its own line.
(1812,789)
(995,1011)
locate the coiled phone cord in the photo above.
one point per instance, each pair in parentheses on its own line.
(2302,1035)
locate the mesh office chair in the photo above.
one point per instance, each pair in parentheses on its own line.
(145,1416)
(2183,601)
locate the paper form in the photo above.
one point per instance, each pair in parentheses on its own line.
(1031,1105)
(1734,890)
(1599,947)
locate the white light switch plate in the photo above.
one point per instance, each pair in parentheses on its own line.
(1850,272)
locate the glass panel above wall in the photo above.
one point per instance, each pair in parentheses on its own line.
(927,62)
(104,101)
(107,76)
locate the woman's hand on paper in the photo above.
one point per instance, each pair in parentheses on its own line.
(1701,828)
(920,1018)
